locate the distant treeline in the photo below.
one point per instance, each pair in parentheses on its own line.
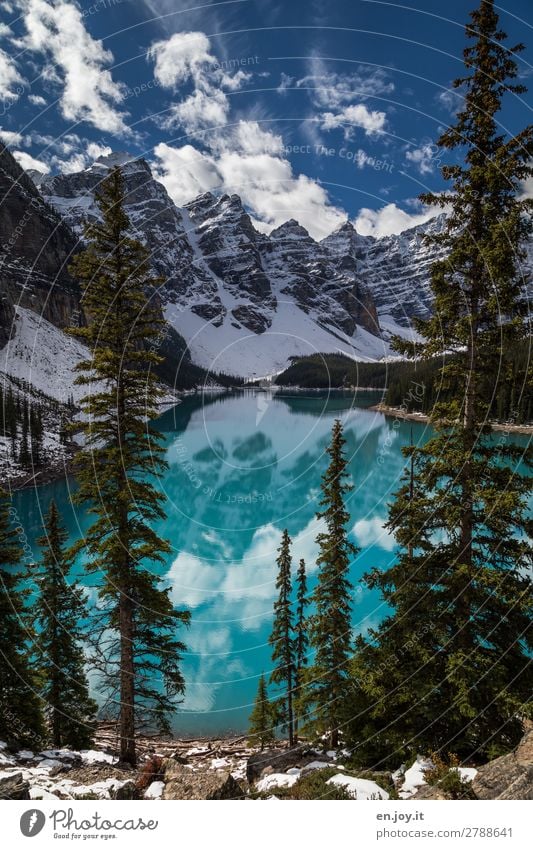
(415,385)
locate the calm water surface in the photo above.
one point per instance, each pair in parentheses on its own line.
(242,467)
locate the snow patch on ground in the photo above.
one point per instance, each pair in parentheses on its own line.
(155,790)
(277,779)
(359,788)
(415,777)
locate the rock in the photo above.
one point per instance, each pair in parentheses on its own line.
(14,787)
(183,783)
(126,791)
(428,791)
(272,760)
(508,777)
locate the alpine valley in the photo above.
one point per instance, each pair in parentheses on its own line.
(237,302)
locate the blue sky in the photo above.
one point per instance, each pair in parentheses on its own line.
(315,110)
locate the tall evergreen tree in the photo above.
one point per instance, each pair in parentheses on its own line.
(59,609)
(281,638)
(460,592)
(330,633)
(21,720)
(262,718)
(301,645)
(117,469)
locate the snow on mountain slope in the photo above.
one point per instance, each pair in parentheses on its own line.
(226,283)
(43,355)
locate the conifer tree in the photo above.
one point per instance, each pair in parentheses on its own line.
(281,638)
(301,645)
(330,633)
(21,720)
(24,453)
(122,457)
(460,593)
(262,718)
(59,610)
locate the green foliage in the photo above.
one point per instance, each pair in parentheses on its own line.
(301,646)
(281,638)
(21,721)
(330,626)
(58,611)
(263,718)
(118,468)
(417,385)
(452,661)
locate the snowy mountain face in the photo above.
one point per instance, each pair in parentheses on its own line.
(229,288)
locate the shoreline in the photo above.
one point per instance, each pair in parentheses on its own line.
(421,418)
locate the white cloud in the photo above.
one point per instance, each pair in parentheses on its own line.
(389,220)
(5,30)
(56,29)
(37,100)
(9,137)
(11,82)
(249,161)
(187,57)
(28,163)
(334,90)
(184,56)
(450,100)
(423,157)
(95,151)
(356,115)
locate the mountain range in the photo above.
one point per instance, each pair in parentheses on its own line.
(236,300)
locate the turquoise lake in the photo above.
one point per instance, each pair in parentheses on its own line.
(242,467)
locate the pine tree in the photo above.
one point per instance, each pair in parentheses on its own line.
(21,720)
(331,624)
(59,609)
(24,453)
(301,645)
(460,593)
(281,638)
(116,470)
(262,718)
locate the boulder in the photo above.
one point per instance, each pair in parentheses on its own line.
(428,791)
(272,760)
(184,783)
(508,777)
(14,787)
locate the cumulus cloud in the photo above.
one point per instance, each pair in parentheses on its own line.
(423,157)
(11,82)
(390,220)
(331,89)
(250,162)
(36,100)
(187,57)
(358,115)
(78,62)
(28,163)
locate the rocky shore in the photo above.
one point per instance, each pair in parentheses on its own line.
(228,769)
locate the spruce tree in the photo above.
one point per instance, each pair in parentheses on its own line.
(262,719)
(21,721)
(59,611)
(281,638)
(301,645)
(330,632)
(118,468)
(457,648)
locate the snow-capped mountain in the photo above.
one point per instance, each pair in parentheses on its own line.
(245,302)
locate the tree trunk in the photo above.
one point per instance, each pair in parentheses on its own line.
(127,683)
